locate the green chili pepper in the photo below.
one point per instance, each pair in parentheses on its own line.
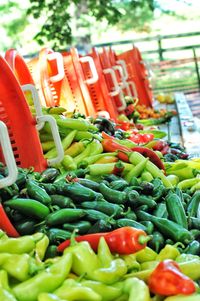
(118,184)
(193,248)
(107,292)
(135,199)
(72,290)
(81,226)
(17,266)
(76,191)
(4,280)
(94,215)
(64,215)
(157,242)
(168,252)
(143,275)
(176,210)
(6,295)
(130,214)
(61,201)
(135,158)
(41,247)
(148,265)
(123,222)
(48,297)
(29,207)
(136,170)
(66,142)
(25,226)
(89,184)
(100,225)
(146,254)
(50,188)
(20,245)
(37,193)
(193,204)
(56,235)
(103,252)
(111,273)
(191,268)
(167,227)
(49,175)
(51,252)
(194,222)
(149,226)
(131,263)
(103,206)
(46,281)
(92,148)
(193,297)
(137,290)
(161,210)
(82,255)
(111,195)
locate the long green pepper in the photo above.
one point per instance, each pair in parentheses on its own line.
(46,281)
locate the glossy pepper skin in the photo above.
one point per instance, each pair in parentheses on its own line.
(46,281)
(125,240)
(167,279)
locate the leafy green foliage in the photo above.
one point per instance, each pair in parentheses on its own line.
(57,26)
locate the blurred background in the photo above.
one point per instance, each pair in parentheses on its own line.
(166,32)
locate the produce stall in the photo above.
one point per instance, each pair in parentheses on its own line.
(107,205)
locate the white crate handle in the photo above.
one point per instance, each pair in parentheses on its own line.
(149,71)
(127,87)
(122,99)
(56,138)
(90,61)
(123,65)
(8,156)
(117,88)
(133,85)
(123,84)
(36,101)
(60,66)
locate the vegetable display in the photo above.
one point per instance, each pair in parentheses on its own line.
(29,274)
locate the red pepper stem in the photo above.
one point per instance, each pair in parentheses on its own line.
(143,239)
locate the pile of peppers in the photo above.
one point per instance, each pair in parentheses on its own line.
(79,273)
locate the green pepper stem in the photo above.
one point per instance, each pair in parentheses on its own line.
(142,239)
(73,241)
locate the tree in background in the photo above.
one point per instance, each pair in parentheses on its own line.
(61,23)
(60,13)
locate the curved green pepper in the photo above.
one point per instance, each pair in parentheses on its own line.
(137,290)
(72,290)
(37,193)
(107,292)
(46,281)
(20,245)
(29,207)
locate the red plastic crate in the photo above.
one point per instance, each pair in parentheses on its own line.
(15,113)
(138,73)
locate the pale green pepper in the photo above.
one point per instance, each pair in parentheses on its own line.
(168,252)
(72,290)
(46,281)
(146,254)
(195,297)
(137,290)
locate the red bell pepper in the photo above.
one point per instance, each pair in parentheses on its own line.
(167,279)
(6,225)
(125,240)
(153,157)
